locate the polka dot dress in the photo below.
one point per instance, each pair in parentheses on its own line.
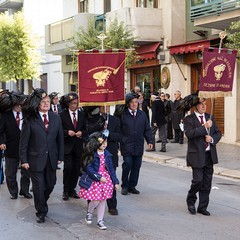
(99,190)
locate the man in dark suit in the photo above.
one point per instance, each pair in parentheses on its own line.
(112,132)
(73,122)
(134,128)
(55,106)
(10,129)
(203,134)
(177,117)
(41,148)
(158,122)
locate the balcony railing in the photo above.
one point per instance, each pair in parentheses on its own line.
(61,30)
(201,9)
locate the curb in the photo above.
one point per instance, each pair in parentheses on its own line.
(181,163)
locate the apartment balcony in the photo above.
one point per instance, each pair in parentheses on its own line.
(10,4)
(59,35)
(146,23)
(216,14)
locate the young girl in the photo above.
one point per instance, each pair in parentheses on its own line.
(99,178)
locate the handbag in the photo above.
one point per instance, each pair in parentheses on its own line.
(85,181)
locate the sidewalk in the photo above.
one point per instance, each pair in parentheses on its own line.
(228,157)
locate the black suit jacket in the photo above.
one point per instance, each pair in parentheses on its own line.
(37,144)
(70,142)
(158,112)
(10,134)
(113,138)
(59,108)
(196,133)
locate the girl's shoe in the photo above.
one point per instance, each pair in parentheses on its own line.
(88,218)
(101,225)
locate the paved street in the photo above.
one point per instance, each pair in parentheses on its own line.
(159,212)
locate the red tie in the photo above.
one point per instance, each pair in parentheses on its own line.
(18,118)
(133,113)
(74,120)
(45,121)
(202,122)
(54,108)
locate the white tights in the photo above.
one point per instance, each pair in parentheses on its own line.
(100,205)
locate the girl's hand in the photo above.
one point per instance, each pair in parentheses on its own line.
(103,179)
(116,186)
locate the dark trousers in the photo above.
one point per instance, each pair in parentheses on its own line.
(1,168)
(201,184)
(71,171)
(43,183)
(130,171)
(112,202)
(169,130)
(178,135)
(11,168)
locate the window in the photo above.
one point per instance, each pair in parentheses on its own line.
(82,6)
(147,3)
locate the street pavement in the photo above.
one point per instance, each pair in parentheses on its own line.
(159,212)
(228,156)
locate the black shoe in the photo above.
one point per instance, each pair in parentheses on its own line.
(74,195)
(133,190)
(174,141)
(180,142)
(151,150)
(113,211)
(65,196)
(13,197)
(124,191)
(158,141)
(26,195)
(40,219)
(204,212)
(192,209)
(162,150)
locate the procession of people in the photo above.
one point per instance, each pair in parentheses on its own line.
(38,132)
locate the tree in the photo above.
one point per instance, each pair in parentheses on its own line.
(233,37)
(118,37)
(18,56)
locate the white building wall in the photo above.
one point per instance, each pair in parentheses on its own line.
(70,8)
(38,14)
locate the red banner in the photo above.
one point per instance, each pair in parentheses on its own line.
(217,72)
(101,78)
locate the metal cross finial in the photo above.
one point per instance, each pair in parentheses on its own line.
(102,36)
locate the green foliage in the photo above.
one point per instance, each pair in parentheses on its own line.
(233,37)
(118,37)
(18,56)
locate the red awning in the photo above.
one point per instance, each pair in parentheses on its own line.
(189,47)
(147,51)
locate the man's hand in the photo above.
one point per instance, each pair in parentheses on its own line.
(208,139)
(71,133)
(78,134)
(3,146)
(208,123)
(25,165)
(150,146)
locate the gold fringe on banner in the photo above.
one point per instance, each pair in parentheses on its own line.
(84,104)
(212,94)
